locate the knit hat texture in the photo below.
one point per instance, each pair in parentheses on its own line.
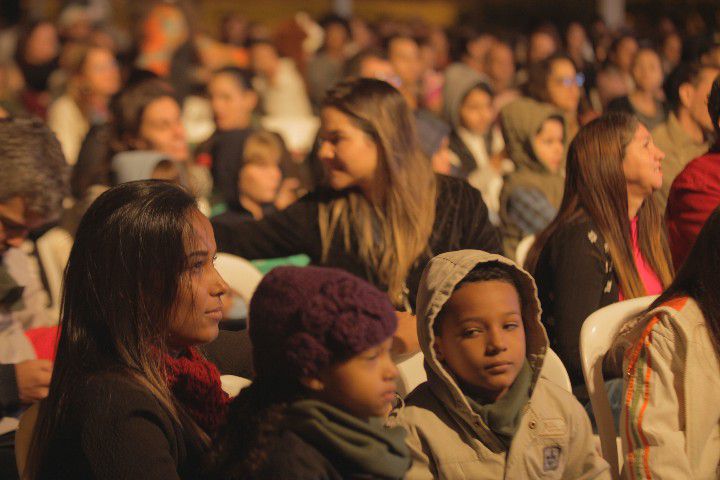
(304,319)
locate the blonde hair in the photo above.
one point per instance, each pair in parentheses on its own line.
(391,229)
(263,146)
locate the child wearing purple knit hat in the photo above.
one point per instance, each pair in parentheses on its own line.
(324,381)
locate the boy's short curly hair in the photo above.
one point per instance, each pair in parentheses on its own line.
(33,167)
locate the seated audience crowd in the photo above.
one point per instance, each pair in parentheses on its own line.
(342,249)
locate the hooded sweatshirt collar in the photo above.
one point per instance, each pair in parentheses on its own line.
(437,284)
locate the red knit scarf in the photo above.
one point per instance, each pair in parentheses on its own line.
(195,382)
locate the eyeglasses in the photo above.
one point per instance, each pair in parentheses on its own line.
(578,80)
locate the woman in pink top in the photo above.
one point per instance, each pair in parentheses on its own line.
(648,277)
(607,242)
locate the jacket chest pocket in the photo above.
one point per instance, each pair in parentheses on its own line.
(547,453)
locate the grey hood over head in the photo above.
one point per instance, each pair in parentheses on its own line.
(459,80)
(439,279)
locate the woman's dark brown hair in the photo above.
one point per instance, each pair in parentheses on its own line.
(128,110)
(122,280)
(595,186)
(539,76)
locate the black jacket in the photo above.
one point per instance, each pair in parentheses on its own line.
(291,457)
(461,222)
(575,277)
(115,429)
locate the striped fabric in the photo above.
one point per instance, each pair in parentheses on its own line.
(637,398)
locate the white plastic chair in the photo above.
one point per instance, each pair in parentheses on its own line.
(54,251)
(412,372)
(232,384)
(298,133)
(523,248)
(23,437)
(554,370)
(239,274)
(596,338)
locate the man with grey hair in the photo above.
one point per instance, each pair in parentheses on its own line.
(33,182)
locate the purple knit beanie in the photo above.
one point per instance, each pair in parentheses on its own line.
(303,319)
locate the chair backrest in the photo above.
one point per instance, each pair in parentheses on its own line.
(23,437)
(554,370)
(412,373)
(54,251)
(232,384)
(596,337)
(523,248)
(239,274)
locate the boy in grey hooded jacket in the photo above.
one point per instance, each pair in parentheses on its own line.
(494,415)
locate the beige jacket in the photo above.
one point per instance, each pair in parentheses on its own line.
(679,149)
(670,423)
(448,440)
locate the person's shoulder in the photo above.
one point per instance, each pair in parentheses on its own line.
(580,231)
(550,400)
(231,217)
(421,409)
(109,393)
(698,175)
(321,194)
(62,103)
(669,319)
(449,187)
(661,134)
(292,457)
(577,238)
(701,166)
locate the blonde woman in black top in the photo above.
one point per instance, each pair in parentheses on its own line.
(382,213)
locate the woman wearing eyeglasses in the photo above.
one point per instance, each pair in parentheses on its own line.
(556,81)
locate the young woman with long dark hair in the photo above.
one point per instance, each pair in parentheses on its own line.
(608,241)
(130,396)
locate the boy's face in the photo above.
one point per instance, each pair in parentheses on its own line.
(364,385)
(482,339)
